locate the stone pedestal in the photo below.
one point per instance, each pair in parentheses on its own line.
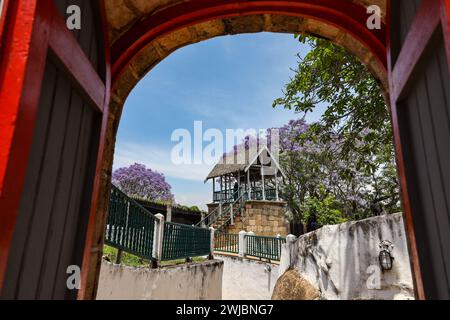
(264,218)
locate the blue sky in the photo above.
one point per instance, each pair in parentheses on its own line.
(227,82)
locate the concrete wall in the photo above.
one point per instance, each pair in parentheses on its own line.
(196,281)
(245,279)
(341,261)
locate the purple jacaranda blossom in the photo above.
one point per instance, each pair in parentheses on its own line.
(144,183)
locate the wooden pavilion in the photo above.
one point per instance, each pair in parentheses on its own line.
(252,173)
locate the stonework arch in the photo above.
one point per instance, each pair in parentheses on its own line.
(131,23)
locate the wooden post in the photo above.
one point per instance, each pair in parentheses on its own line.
(214,188)
(231,213)
(169,212)
(221,189)
(249,186)
(239,184)
(119,256)
(276,186)
(263,186)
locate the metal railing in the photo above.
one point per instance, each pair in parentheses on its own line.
(225,242)
(257,194)
(129,226)
(183,241)
(225,213)
(228,195)
(211,217)
(264,247)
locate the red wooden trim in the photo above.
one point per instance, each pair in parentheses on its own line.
(422,28)
(3,18)
(23,63)
(344,15)
(407,212)
(69,52)
(406,204)
(445,20)
(87,272)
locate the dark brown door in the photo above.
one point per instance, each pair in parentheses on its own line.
(45,209)
(420,100)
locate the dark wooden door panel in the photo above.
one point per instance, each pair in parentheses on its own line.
(426,119)
(422,107)
(52,208)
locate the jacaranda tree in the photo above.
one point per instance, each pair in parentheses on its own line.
(143,183)
(341,167)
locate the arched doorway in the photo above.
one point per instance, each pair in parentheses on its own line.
(143,33)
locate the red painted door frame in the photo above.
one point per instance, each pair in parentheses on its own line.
(32,28)
(429,16)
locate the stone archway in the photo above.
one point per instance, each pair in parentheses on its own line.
(138,43)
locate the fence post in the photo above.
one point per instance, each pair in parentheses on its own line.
(242,243)
(211,250)
(278,245)
(169,213)
(290,240)
(157,240)
(119,256)
(202,216)
(250,233)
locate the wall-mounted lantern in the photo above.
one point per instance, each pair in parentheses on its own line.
(385,256)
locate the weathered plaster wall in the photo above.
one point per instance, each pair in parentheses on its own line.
(245,279)
(335,259)
(196,281)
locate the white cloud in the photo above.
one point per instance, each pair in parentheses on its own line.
(194,199)
(157,159)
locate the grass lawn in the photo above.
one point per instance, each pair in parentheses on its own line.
(134,261)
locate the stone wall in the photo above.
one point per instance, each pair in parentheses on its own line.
(341,261)
(264,218)
(194,281)
(245,279)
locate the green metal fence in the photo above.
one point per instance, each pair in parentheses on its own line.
(182,241)
(226,242)
(129,226)
(264,247)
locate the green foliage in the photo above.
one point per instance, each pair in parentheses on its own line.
(127,258)
(330,76)
(131,260)
(341,167)
(194,208)
(324,208)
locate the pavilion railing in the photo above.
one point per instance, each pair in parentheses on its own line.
(264,247)
(183,241)
(257,194)
(129,226)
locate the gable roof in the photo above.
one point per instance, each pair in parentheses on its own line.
(240,160)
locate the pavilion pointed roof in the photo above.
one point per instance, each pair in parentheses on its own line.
(240,160)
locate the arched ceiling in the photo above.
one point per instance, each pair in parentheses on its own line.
(142,32)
